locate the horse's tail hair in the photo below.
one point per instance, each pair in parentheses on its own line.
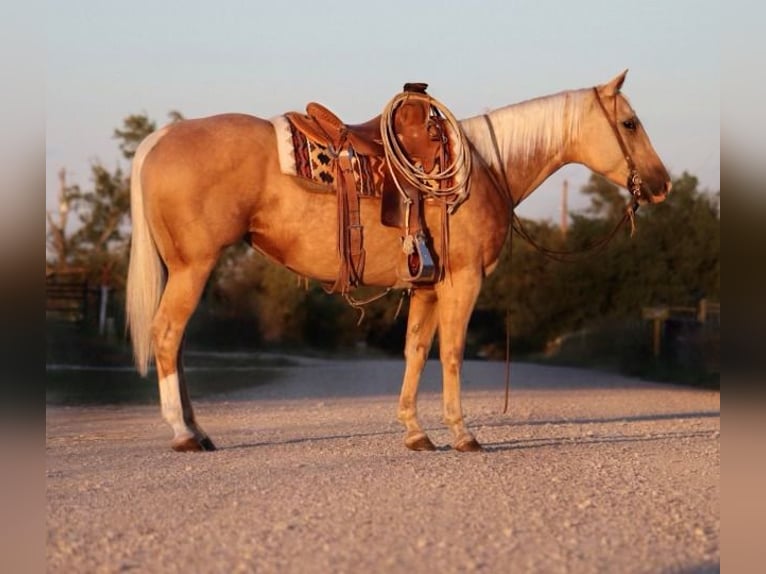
(146,272)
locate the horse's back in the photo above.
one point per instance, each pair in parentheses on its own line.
(211,152)
(222,134)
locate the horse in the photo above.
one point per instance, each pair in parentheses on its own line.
(200,185)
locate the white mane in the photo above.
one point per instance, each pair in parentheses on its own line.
(524,130)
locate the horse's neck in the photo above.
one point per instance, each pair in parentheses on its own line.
(534,138)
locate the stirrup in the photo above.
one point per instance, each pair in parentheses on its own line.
(419,264)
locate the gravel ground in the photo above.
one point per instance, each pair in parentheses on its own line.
(588,472)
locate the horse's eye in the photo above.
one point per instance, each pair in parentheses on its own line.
(630,124)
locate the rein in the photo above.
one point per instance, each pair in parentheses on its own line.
(503,188)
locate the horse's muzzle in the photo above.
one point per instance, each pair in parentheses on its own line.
(654,194)
(660,196)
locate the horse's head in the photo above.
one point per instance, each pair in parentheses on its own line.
(614,144)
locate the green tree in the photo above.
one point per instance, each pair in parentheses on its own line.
(60,245)
(245,283)
(520,286)
(606,199)
(101,239)
(100,242)
(134,129)
(673,259)
(288,309)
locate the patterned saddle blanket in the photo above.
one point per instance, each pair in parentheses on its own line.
(312,160)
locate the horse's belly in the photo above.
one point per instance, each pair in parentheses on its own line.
(302,235)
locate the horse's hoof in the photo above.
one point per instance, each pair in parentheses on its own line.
(468,444)
(419,442)
(207,444)
(193,444)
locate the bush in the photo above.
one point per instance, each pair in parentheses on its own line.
(688,354)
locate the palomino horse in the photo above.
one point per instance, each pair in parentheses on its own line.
(201,185)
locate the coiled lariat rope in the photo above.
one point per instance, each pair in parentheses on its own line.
(459,168)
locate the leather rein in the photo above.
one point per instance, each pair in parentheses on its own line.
(633,185)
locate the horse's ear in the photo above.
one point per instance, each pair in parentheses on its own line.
(613,86)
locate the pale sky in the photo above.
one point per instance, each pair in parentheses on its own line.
(107,60)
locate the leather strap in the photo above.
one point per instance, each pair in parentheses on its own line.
(634,178)
(613,124)
(356,249)
(350,231)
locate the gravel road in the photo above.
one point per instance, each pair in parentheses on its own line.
(588,472)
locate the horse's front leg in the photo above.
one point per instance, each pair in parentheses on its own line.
(456,302)
(421,326)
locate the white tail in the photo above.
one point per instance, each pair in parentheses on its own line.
(146,273)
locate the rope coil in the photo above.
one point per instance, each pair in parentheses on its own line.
(396,156)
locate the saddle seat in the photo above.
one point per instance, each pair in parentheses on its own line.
(322,125)
(420,134)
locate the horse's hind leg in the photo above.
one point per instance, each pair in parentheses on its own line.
(180,298)
(421,326)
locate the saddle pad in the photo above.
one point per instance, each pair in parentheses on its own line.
(310,160)
(304,158)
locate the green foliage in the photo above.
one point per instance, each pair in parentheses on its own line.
(606,200)
(290,310)
(135,128)
(59,245)
(102,211)
(522,286)
(673,259)
(100,243)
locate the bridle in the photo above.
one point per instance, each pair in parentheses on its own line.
(634,182)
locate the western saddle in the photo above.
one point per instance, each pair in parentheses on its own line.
(420,133)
